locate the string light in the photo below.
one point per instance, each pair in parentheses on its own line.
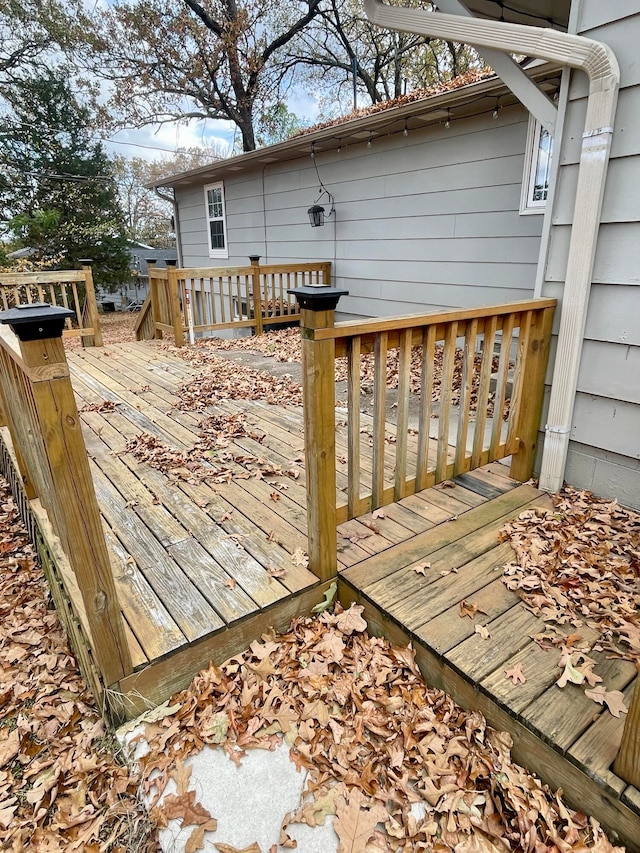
(497,108)
(405,132)
(313,151)
(447,123)
(369,142)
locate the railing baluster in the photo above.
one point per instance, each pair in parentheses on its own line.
(379,418)
(466,383)
(426,391)
(446,388)
(402,425)
(353,423)
(486,368)
(501,384)
(526,318)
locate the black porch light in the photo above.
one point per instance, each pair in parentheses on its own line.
(317,212)
(316,215)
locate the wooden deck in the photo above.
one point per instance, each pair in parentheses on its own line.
(202,569)
(561,735)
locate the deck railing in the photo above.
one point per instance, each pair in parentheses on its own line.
(73,289)
(202,299)
(38,406)
(446,364)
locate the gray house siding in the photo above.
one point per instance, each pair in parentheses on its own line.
(604,454)
(426,221)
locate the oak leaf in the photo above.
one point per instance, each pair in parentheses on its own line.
(356,821)
(421,568)
(613,699)
(184,808)
(570,674)
(229,848)
(196,839)
(515,674)
(470,609)
(483,631)
(351,620)
(329,595)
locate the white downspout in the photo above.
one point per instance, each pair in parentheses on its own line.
(599,63)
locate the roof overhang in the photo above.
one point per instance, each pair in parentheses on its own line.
(465,101)
(543,13)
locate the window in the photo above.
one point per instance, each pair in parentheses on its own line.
(537,168)
(216,224)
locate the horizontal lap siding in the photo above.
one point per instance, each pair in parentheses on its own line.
(425,221)
(604,453)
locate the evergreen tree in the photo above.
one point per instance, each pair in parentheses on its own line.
(57,190)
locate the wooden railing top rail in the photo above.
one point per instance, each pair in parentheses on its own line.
(349,329)
(213,272)
(41,277)
(10,342)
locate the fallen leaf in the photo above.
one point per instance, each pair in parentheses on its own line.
(329,595)
(356,820)
(230,583)
(515,674)
(421,568)
(483,631)
(470,609)
(196,839)
(184,808)
(378,513)
(570,674)
(613,699)
(351,621)
(228,848)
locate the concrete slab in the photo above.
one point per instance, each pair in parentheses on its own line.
(249,801)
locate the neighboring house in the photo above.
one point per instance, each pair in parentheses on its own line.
(450,200)
(136,288)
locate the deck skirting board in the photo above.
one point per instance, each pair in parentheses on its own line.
(156,682)
(529,749)
(48,558)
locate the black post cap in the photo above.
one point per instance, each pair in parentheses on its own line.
(151,260)
(86,262)
(254,259)
(171,262)
(320,298)
(36,321)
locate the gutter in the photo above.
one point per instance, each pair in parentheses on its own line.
(600,64)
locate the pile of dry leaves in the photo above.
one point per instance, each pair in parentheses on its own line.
(285,346)
(61,789)
(222,379)
(400,765)
(208,459)
(579,564)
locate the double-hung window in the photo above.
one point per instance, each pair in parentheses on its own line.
(537,168)
(216,221)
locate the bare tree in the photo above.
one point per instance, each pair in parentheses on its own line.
(181,59)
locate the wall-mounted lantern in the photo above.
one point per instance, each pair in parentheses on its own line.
(317,213)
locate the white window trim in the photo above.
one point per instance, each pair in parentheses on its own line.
(527,205)
(216,253)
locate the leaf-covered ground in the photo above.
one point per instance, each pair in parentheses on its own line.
(117,328)
(285,346)
(399,765)
(579,565)
(61,789)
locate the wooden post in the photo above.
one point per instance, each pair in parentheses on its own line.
(92,306)
(627,763)
(73,502)
(528,418)
(318,306)
(155,300)
(256,292)
(174,303)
